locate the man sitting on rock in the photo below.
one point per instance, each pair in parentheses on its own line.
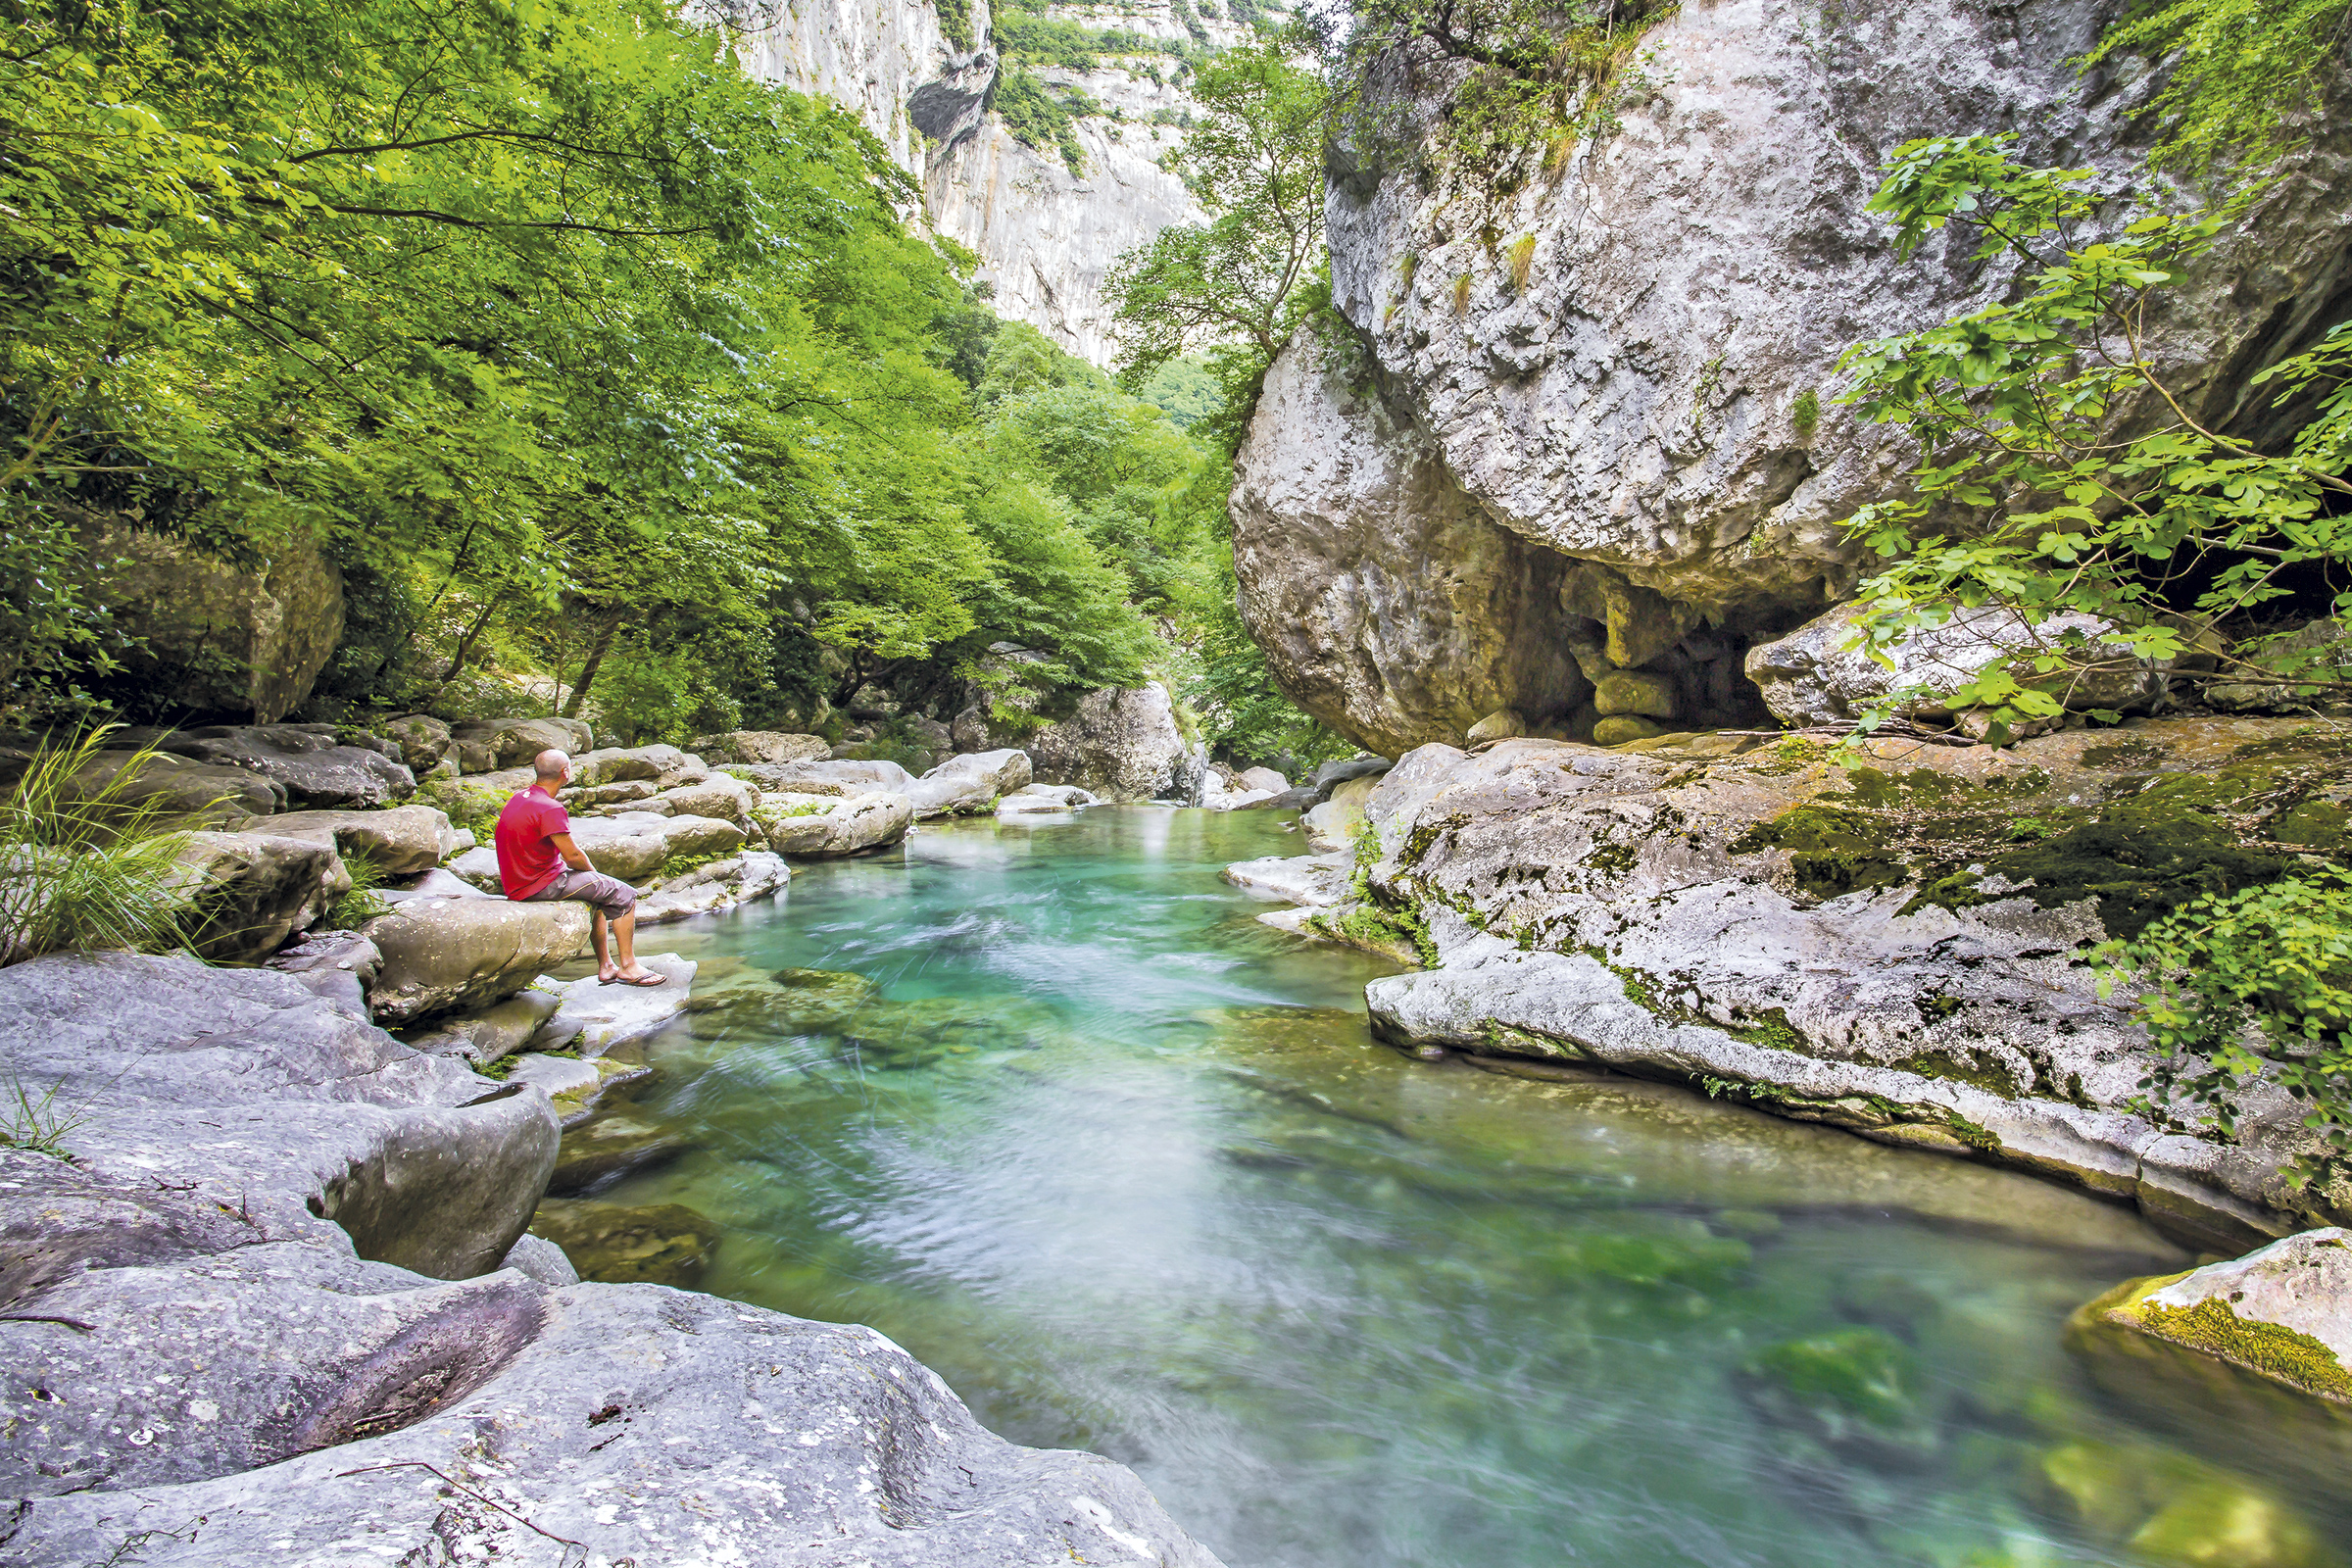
(538,862)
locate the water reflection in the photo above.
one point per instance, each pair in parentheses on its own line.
(1048,1107)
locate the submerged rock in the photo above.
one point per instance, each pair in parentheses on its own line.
(668,1244)
(1859,1392)
(2165,1508)
(606,1147)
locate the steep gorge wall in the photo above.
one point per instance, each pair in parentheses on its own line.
(1605,364)
(1046,235)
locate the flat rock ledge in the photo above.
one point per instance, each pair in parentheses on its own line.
(278,1307)
(1497,1001)
(1901,941)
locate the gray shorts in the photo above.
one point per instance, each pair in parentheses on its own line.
(592,888)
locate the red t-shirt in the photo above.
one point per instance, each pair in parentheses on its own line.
(526,858)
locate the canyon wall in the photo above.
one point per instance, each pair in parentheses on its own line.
(1046,233)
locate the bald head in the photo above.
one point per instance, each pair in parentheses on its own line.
(551,766)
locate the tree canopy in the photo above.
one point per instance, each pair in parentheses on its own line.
(569,344)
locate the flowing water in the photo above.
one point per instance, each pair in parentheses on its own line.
(1125,1167)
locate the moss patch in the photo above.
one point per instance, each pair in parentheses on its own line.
(1864,1372)
(1831,850)
(1400,934)
(1943,1065)
(2213,1326)
(2141,858)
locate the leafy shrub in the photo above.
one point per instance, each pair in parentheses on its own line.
(1040,115)
(2238,986)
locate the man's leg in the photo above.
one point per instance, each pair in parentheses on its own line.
(596,930)
(624,929)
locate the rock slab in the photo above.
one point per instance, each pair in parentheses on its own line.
(259,1382)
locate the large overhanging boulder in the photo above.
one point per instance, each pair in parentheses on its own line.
(1387,602)
(1628,362)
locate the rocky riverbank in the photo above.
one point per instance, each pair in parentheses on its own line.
(278,1306)
(268,1291)
(1896,942)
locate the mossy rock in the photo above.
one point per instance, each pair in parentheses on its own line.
(667,1244)
(1831,850)
(608,1147)
(2284,1356)
(2166,1507)
(798,1002)
(2157,847)
(1861,1392)
(2205,1366)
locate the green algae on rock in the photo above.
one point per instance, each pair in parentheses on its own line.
(2283,1313)
(2169,1508)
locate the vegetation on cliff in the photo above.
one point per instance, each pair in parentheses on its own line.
(1226,295)
(573,348)
(2068,478)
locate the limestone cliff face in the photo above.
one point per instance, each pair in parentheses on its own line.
(1607,360)
(1046,235)
(891,63)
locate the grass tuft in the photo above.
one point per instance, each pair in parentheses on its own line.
(35,1122)
(83,870)
(361,905)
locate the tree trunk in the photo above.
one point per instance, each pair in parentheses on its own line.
(596,656)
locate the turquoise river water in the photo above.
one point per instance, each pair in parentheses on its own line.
(1126,1167)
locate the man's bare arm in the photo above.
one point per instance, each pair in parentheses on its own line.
(573,855)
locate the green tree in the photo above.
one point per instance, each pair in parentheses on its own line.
(2248,75)
(1232,285)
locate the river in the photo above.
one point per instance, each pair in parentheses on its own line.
(1125,1167)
